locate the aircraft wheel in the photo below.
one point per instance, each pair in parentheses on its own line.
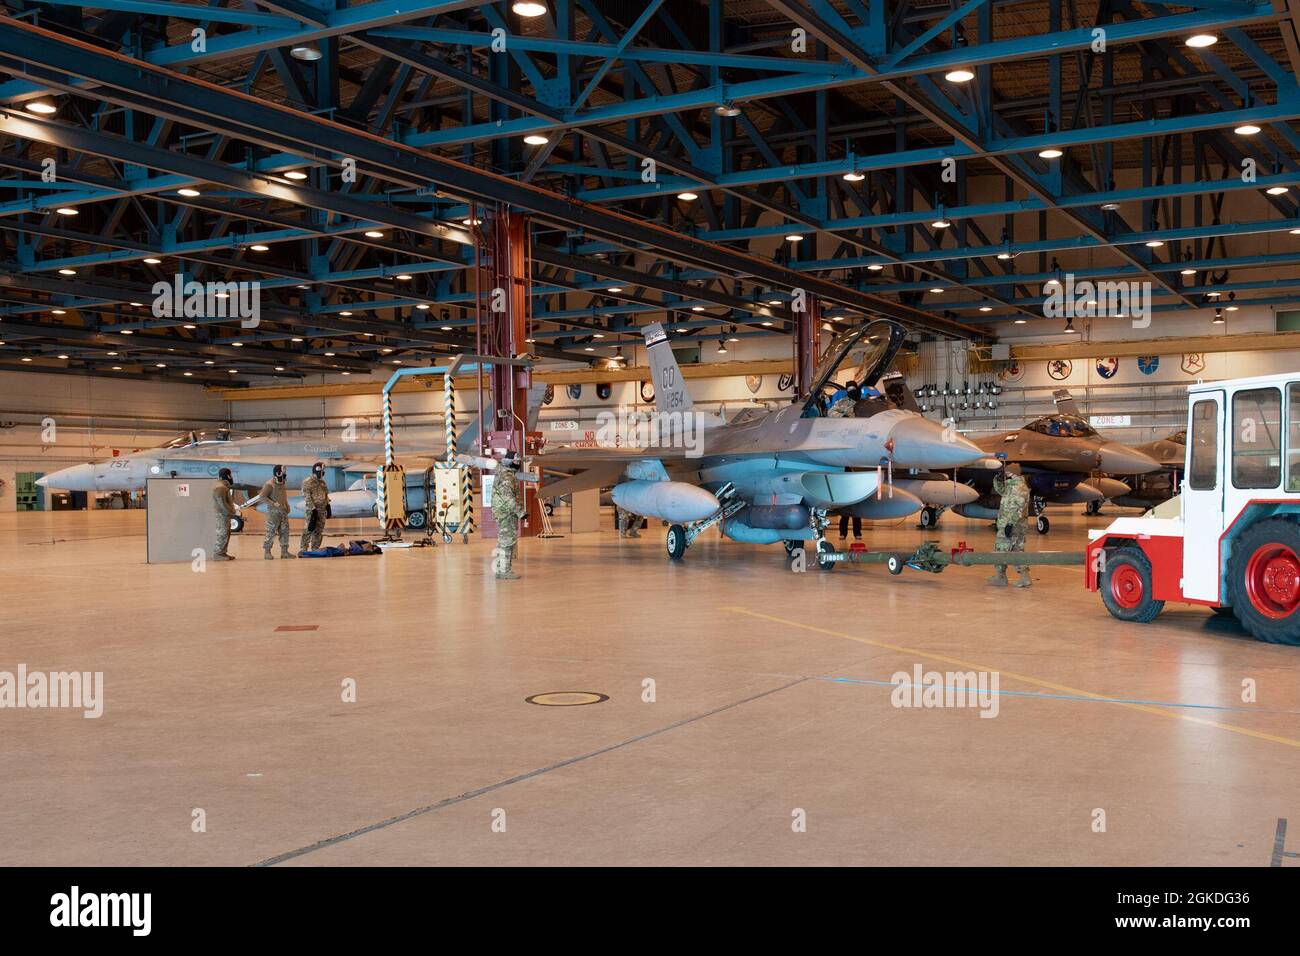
(676,541)
(929,517)
(895,564)
(1092,508)
(1264,581)
(236,524)
(1042,525)
(1125,586)
(549,508)
(825,547)
(1223,612)
(417,519)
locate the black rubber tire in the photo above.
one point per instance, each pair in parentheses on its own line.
(1042,525)
(549,509)
(1092,508)
(675,541)
(929,517)
(1129,558)
(825,547)
(895,564)
(1262,627)
(236,524)
(1223,612)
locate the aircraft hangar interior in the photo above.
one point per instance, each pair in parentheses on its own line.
(662,433)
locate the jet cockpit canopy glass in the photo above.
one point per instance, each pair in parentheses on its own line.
(862,354)
(206,436)
(1178,438)
(1062,426)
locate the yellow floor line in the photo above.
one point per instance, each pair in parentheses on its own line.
(967,665)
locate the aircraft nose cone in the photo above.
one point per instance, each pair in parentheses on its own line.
(42,481)
(921,443)
(1116,459)
(76,478)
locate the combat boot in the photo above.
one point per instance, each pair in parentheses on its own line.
(286,554)
(267,556)
(1024,581)
(999,579)
(222,556)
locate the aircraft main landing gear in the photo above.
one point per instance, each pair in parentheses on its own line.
(676,542)
(929,517)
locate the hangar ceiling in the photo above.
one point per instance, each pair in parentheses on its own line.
(695,159)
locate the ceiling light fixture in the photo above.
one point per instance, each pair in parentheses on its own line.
(44,106)
(1199,41)
(1246,129)
(727,109)
(853,176)
(536,139)
(295,174)
(307,52)
(151,261)
(1051,152)
(688,196)
(66,211)
(67,272)
(959,75)
(529,8)
(260,248)
(187,192)
(374,234)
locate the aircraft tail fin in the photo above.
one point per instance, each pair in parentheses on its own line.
(897,391)
(670,388)
(1065,402)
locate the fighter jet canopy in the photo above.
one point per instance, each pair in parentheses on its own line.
(1062,426)
(206,437)
(862,353)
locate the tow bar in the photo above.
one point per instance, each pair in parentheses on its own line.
(930,557)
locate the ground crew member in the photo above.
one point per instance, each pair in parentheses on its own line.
(1014,490)
(507,506)
(223,507)
(315,508)
(844,401)
(629,525)
(276,496)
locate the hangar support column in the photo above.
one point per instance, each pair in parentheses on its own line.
(807,333)
(504,323)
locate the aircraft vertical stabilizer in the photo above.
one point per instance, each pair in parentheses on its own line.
(1065,402)
(670,388)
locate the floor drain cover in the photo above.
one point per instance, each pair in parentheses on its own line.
(567,698)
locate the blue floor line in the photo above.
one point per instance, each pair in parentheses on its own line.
(1030,693)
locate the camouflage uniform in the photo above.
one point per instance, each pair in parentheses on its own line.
(507,506)
(1012,514)
(843,408)
(629,525)
(223,508)
(315,499)
(276,496)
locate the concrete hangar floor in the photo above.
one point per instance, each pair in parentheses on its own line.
(772,737)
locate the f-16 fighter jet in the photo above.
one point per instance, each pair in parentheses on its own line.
(766,476)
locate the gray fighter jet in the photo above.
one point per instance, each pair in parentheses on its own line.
(765,476)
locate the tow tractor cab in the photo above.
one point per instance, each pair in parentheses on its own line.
(1231,539)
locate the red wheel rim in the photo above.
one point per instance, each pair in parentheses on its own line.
(1273,580)
(1126,586)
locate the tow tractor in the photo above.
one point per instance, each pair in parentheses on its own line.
(1231,539)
